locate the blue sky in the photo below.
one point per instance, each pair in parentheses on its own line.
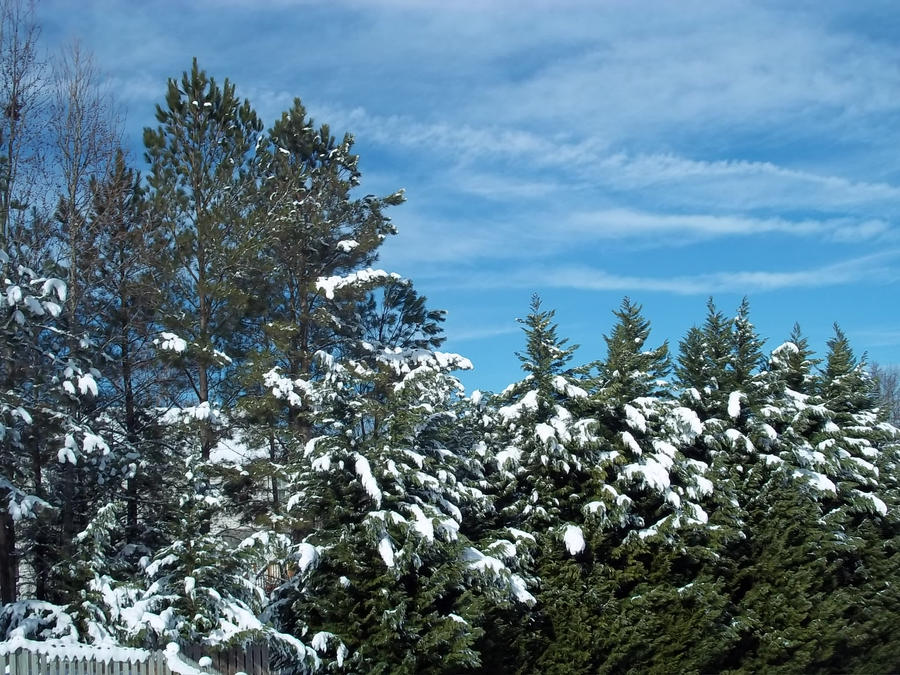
(582,150)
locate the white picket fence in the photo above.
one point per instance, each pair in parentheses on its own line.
(54,657)
(28,663)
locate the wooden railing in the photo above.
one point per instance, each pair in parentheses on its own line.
(252,659)
(55,657)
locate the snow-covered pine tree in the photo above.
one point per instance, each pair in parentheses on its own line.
(45,428)
(859,440)
(83,577)
(384,580)
(200,588)
(201,201)
(796,363)
(809,532)
(779,559)
(719,375)
(702,367)
(643,517)
(537,467)
(746,357)
(737,432)
(828,430)
(642,429)
(321,233)
(788,558)
(690,367)
(629,371)
(317,232)
(537,452)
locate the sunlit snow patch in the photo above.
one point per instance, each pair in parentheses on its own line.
(574,539)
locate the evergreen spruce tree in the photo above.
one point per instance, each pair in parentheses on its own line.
(536,447)
(796,363)
(855,437)
(703,360)
(642,428)
(536,451)
(644,521)
(385,581)
(85,576)
(720,375)
(786,584)
(746,354)
(805,502)
(691,368)
(196,588)
(630,372)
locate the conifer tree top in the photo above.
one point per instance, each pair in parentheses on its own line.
(546,354)
(630,371)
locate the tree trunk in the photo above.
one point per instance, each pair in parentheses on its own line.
(67,519)
(8,563)
(41,541)
(203,305)
(273,455)
(131,515)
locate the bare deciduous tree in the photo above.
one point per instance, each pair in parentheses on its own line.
(85,135)
(888,378)
(21,87)
(85,130)
(22,90)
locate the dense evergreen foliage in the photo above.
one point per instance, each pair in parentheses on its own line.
(241,431)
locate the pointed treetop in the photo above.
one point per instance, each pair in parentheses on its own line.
(703,361)
(717,345)
(844,384)
(840,359)
(793,361)
(746,348)
(691,368)
(629,371)
(546,354)
(198,112)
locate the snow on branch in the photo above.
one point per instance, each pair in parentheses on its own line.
(169,342)
(403,361)
(362,278)
(490,566)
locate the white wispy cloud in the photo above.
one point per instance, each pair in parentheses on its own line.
(470,334)
(510,164)
(696,67)
(536,234)
(623,223)
(744,183)
(536,134)
(876,268)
